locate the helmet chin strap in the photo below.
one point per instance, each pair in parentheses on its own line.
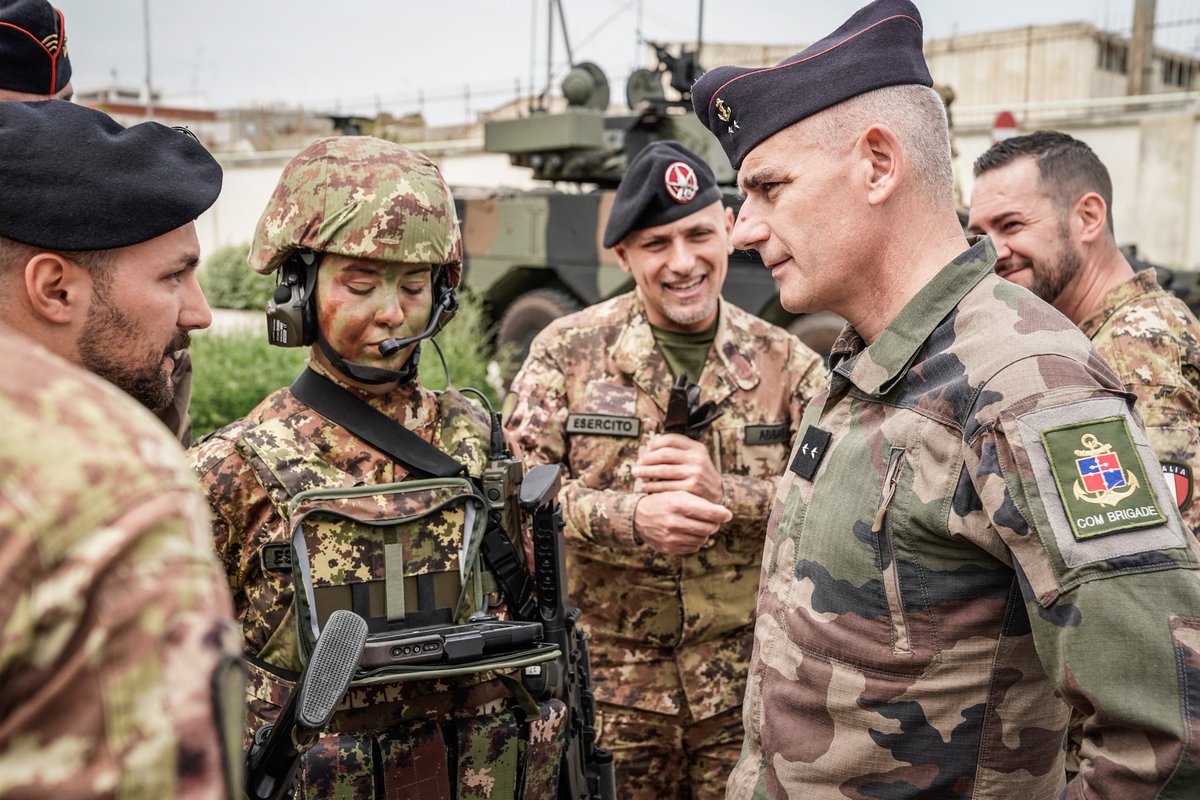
(373,376)
(445,305)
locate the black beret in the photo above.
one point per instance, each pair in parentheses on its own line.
(74,179)
(664,182)
(33,47)
(879,46)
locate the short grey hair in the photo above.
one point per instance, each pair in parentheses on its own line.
(915,113)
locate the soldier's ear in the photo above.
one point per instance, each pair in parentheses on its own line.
(882,161)
(58,289)
(1091,216)
(619,251)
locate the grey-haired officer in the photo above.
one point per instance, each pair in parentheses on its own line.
(973,535)
(664,532)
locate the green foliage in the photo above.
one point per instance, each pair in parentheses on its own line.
(466,344)
(235,370)
(228,281)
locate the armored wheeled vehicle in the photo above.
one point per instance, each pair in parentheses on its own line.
(535,255)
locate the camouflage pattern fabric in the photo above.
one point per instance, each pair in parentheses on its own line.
(360,197)
(386,737)
(115,625)
(669,634)
(927,603)
(1152,341)
(660,757)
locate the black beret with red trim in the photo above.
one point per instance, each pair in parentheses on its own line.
(879,46)
(663,183)
(74,179)
(33,47)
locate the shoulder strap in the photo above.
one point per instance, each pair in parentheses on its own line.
(336,404)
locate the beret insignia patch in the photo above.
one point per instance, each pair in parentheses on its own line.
(681,182)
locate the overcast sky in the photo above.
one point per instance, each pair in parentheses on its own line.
(356,55)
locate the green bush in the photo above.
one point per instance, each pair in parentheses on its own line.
(228,281)
(466,344)
(235,370)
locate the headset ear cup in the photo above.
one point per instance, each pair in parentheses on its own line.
(291,315)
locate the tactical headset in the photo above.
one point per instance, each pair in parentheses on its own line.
(292,315)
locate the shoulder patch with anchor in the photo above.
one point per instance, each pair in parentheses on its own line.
(1100,478)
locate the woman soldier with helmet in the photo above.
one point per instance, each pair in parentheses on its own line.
(365,237)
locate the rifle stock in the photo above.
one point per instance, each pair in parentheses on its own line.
(274,758)
(588,769)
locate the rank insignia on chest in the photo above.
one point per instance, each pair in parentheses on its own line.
(1100,478)
(811,452)
(276,557)
(1179,481)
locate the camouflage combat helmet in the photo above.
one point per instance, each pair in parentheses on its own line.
(360,197)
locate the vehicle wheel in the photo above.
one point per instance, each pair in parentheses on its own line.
(524,319)
(819,331)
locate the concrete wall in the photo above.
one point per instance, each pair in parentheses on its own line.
(248,185)
(1154,162)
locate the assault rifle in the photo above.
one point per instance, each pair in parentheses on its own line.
(587,770)
(501,486)
(275,754)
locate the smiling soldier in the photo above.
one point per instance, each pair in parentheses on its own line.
(665,530)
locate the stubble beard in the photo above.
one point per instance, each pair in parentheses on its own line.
(1050,282)
(691,314)
(147,382)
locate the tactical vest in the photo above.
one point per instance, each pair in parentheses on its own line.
(401,555)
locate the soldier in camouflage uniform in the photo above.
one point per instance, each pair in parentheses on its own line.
(973,535)
(664,532)
(1046,201)
(376,224)
(115,625)
(35,65)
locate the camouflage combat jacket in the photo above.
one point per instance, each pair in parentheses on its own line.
(1152,341)
(115,623)
(387,731)
(669,633)
(930,596)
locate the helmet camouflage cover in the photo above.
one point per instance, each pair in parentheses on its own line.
(360,197)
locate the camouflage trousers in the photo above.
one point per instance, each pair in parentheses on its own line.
(663,757)
(427,740)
